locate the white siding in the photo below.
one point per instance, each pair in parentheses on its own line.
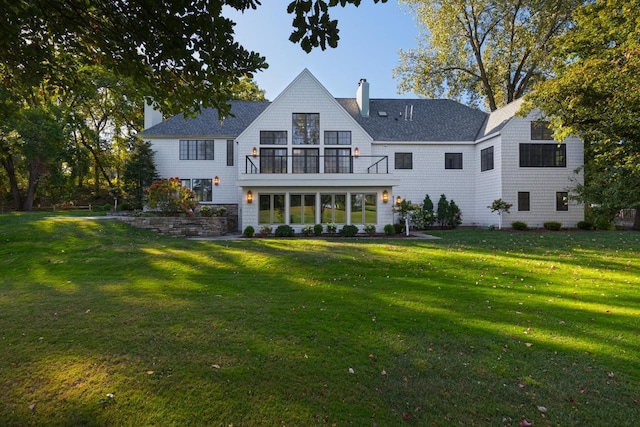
(541,182)
(168,165)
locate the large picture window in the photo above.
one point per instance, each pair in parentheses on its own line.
(273,160)
(334,137)
(196,149)
(453,160)
(404,161)
(306,160)
(203,190)
(486,159)
(543,156)
(302,208)
(363,209)
(540,130)
(271,209)
(337,160)
(271,137)
(333,208)
(306,128)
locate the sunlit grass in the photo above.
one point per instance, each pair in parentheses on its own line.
(102,324)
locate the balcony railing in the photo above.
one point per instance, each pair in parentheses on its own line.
(316,164)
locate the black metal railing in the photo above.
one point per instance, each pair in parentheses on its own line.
(306,164)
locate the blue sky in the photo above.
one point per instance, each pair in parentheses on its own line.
(370,37)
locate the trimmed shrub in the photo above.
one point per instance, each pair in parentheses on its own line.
(332,227)
(349,231)
(370,229)
(519,225)
(265,230)
(221,211)
(307,230)
(206,211)
(585,225)
(455,216)
(389,230)
(399,228)
(317,229)
(552,225)
(249,231)
(285,231)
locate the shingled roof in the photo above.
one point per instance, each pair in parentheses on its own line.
(417,119)
(389,120)
(207,123)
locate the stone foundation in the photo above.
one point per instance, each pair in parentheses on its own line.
(180,226)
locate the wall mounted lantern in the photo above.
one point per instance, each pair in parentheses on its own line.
(385,196)
(249,197)
(254,152)
(398,200)
(356,152)
(216,181)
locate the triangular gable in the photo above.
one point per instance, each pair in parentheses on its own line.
(499,119)
(293,94)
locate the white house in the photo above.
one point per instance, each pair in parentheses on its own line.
(309,158)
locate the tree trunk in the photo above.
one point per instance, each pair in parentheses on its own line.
(636,221)
(7,162)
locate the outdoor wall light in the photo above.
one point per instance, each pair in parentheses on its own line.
(385,196)
(216,181)
(249,197)
(254,152)
(398,200)
(356,152)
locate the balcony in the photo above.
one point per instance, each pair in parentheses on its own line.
(316,171)
(300,164)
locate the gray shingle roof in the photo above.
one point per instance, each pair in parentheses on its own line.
(432,119)
(207,122)
(389,120)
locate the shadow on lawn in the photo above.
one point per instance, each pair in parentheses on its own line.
(264,332)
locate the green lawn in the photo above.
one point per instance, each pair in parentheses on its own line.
(478,328)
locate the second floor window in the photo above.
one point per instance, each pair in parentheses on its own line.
(543,156)
(404,161)
(486,159)
(306,160)
(273,160)
(334,137)
(453,160)
(337,160)
(273,137)
(196,149)
(540,130)
(306,128)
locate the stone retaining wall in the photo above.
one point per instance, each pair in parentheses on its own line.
(180,226)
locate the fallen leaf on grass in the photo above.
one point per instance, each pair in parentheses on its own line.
(351,371)
(215,366)
(542,409)
(406,416)
(526,422)
(528,344)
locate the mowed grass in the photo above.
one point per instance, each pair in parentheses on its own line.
(103,324)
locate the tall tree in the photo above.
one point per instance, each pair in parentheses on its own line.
(482,52)
(595,94)
(182,53)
